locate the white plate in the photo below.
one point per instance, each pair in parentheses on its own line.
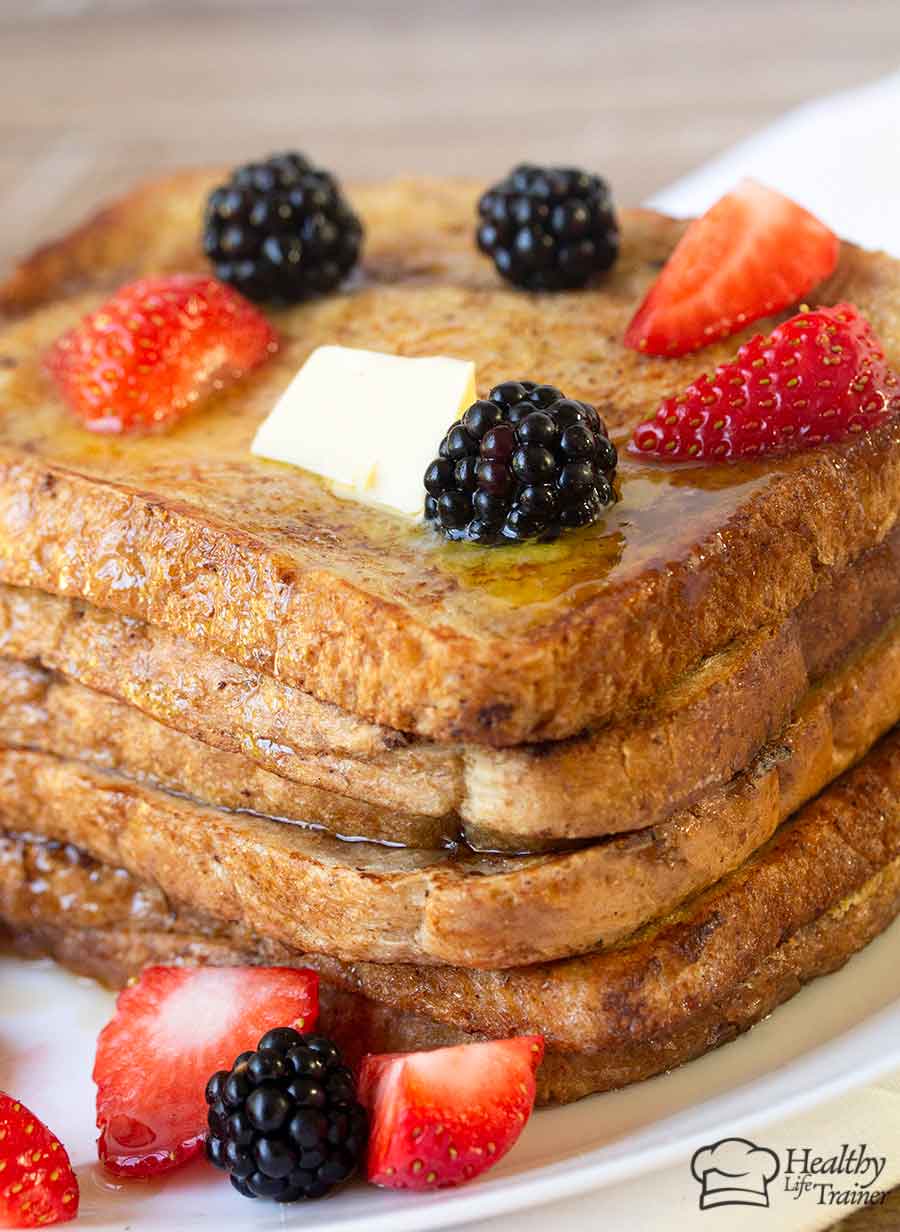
(838,1033)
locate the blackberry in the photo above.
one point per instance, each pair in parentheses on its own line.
(548,228)
(521,464)
(284,1121)
(281,231)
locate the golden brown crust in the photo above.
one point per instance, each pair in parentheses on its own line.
(629,775)
(113,927)
(361,902)
(257,563)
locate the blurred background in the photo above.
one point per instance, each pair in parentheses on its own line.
(95,93)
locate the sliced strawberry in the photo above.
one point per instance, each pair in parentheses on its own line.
(754,253)
(146,357)
(440,1118)
(171,1032)
(819,377)
(37,1184)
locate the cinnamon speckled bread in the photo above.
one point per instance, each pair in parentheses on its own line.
(359,901)
(826,885)
(280,752)
(259,563)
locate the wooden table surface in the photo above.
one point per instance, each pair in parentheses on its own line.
(95,93)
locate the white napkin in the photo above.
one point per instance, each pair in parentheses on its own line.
(840,157)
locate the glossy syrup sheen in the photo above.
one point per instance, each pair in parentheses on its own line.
(660,514)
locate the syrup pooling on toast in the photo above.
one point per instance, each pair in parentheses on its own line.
(662,514)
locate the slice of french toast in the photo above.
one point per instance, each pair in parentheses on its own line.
(261,564)
(360,901)
(824,888)
(273,741)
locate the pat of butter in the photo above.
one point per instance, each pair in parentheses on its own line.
(368,423)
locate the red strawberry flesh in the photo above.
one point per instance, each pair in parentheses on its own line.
(817,378)
(37,1184)
(171,1032)
(754,253)
(440,1118)
(149,354)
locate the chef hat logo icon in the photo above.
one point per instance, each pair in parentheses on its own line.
(734,1172)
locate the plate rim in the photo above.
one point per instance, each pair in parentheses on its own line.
(861,1053)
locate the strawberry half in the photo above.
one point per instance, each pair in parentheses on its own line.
(443,1117)
(171,1031)
(145,357)
(819,377)
(37,1184)
(754,253)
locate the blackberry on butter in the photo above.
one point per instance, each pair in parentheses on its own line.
(281,231)
(522,464)
(548,228)
(284,1121)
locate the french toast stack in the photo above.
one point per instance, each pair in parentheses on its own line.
(629,790)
